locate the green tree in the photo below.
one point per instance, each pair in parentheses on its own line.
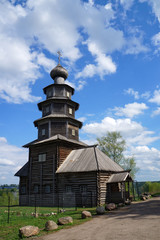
(113,145)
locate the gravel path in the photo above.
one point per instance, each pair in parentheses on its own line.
(140,221)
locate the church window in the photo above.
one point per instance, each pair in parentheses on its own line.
(83,188)
(68,94)
(47,189)
(49,93)
(36,188)
(68,188)
(43,131)
(42,157)
(73,132)
(47,109)
(70,111)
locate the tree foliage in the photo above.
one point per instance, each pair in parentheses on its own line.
(113,145)
(151,187)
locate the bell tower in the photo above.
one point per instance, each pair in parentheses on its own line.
(58,110)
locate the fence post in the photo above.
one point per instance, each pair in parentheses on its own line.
(75,200)
(133,190)
(58,201)
(35,205)
(137,189)
(8,208)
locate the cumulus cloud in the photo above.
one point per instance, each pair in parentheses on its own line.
(47,63)
(146,157)
(104,64)
(12,158)
(30,31)
(135,45)
(130,110)
(132,131)
(156,97)
(156,112)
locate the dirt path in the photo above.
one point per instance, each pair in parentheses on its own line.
(140,221)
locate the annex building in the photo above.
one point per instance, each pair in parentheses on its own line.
(61,170)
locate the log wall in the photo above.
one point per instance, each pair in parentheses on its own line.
(75,181)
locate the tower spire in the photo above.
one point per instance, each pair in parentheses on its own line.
(59,56)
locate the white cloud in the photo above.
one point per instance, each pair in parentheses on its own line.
(108,6)
(132,92)
(127,4)
(17,70)
(156,42)
(136,94)
(156,112)
(145,95)
(155,7)
(156,97)
(156,39)
(30,31)
(134,45)
(146,157)
(82,119)
(132,131)
(130,110)
(104,64)
(81,85)
(12,158)
(45,62)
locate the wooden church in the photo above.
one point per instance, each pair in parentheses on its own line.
(61,170)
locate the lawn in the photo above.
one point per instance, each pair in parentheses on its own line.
(22,216)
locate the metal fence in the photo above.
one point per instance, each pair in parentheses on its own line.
(41,206)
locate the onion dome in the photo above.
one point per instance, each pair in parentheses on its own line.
(59,71)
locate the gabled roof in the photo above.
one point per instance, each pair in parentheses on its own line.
(120,177)
(23,172)
(55,138)
(86,160)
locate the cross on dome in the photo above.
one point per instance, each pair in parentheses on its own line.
(59,55)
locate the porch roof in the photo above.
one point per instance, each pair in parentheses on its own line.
(120,177)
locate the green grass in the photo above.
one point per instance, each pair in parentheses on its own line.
(21,216)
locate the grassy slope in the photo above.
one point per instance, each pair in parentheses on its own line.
(21,216)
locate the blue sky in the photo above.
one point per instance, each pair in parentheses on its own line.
(111,50)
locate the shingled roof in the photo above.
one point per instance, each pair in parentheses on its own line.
(86,160)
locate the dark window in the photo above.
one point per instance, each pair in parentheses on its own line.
(46,110)
(49,93)
(83,188)
(42,157)
(36,188)
(47,189)
(68,188)
(43,132)
(23,189)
